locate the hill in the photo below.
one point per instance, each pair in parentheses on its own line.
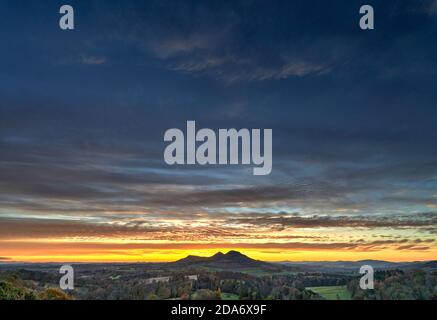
(233,260)
(353,266)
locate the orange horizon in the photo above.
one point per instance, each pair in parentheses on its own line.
(174,255)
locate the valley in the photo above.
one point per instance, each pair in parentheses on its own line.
(230,276)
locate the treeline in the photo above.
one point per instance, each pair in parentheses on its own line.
(208,286)
(246,287)
(398,285)
(30,284)
(14,288)
(389,285)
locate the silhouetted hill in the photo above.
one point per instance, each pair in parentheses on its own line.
(233,260)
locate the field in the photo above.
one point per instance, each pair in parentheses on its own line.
(229,296)
(332,293)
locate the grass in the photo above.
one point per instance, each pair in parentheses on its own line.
(229,296)
(332,293)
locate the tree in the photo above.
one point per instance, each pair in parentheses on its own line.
(54,294)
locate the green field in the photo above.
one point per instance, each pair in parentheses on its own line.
(229,296)
(332,293)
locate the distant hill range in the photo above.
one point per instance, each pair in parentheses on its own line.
(348,266)
(233,260)
(238,262)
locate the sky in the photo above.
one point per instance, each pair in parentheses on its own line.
(83,115)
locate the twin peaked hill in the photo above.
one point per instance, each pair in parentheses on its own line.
(233,260)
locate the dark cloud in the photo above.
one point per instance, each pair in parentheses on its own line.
(342,221)
(413,247)
(96,248)
(41,228)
